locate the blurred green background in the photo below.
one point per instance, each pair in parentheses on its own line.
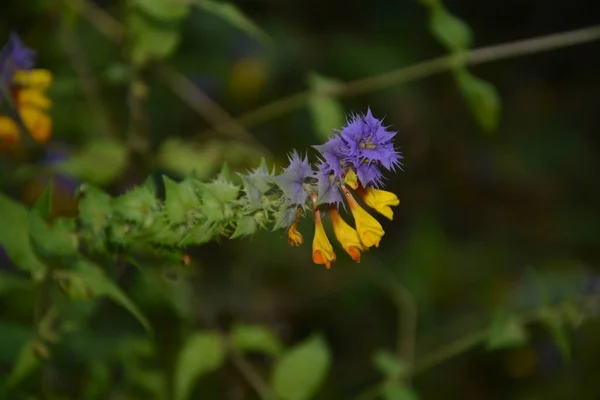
(492,226)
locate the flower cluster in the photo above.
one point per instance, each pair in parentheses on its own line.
(23,90)
(351,165)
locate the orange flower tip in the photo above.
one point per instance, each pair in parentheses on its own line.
(354,253)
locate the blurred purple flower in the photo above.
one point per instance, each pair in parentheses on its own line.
(14,56)
(328,190)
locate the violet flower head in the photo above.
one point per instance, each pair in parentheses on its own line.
(14,56)
(293,178)
(368,140)
(334,151)
(328,191)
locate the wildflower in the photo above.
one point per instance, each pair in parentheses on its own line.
(380,200)
(369,230)
(26,93)
(322,249)
(295,237)
(351,160)
(346,235)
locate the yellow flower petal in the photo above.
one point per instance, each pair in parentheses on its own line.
(37,123)
(369,229)
(381,201)
(9,130)
(38,78)
(346,235)
(33,97)
(322,249)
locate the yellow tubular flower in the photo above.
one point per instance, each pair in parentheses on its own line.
(369,230)
(346,235)
(33,97)
(37,123)
(295,237)
(381,201)
(322,249)
(33,78)
(9,130)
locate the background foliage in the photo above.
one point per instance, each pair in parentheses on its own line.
(484,287)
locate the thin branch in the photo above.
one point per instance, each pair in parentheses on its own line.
(195,98)
(101,20)
(422,70)
(210,110)
(88,81)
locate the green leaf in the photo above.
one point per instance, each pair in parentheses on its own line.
(448,29)
(505,331)
(389,364)
(164,9)
(151,41)
(27,362)
(11,282)
(202,353)
(482,98)
(255,338)
(231,14)
(99,162)
(180,198)
(138,204)
(301,371)
(14,238)
(94,213)
(394,390)
(246,226)
(94,280)
(327,113)
(43,205)
(58,240)
(181,157)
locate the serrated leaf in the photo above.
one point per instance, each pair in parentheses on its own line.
(99,162)
(448,29)
(137,204)
(231,14)
(151,41)
(482,98)
(202,353)
(254,338)
(394,390)
(216,199)
(180,198)
(506,331)
(164,9)
(327,113)
(14,237)
(27,362)
(246,226)
(389,364)
(301,371)
(99,284)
